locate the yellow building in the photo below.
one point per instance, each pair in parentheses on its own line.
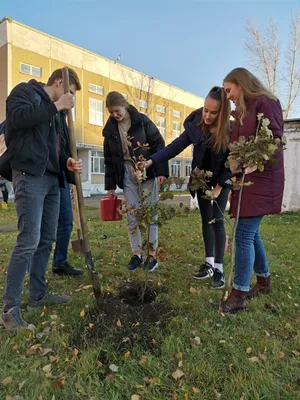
(26,53)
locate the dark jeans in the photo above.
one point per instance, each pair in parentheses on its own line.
(37,206)
(65,226)
(249,253)
(214,235)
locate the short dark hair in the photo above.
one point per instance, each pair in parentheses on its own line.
(58,74)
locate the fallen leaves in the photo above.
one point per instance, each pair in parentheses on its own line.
(177,374)
(82,313)
(47,368)
(195,342)
(113,367)
(281,354)
(7,381)
(119,323)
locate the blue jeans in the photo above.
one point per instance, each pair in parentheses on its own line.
(65,226)
(37,206)
(250,253)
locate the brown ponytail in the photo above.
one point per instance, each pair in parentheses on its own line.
(221,138)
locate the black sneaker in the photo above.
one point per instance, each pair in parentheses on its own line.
(66,269)
(150,264)
(218,280)
(205,271)
(134,263)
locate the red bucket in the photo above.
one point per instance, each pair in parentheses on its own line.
(110,209)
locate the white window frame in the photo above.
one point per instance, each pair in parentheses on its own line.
(176,114)
(32,69)
(97,89)
(96,116)
(142,103)
(96,157)
(176,129)
(175,167)
(188,168)
(160,109)
(161,125)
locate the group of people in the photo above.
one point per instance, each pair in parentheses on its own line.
(42,167)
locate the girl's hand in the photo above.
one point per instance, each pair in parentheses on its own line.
(217,191)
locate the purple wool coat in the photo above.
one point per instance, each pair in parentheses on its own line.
(265,195)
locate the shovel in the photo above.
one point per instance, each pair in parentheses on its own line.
(86,241)
(77,244)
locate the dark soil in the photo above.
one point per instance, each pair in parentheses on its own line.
(123,322)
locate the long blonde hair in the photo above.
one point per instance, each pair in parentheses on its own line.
(251,87)
(221,138)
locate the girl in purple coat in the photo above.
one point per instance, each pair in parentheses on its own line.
(264,196)
(207,129)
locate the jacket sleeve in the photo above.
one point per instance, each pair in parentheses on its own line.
(273,111)
(23,113)
(156,143)
(109,176)
(172,150)
(225,173)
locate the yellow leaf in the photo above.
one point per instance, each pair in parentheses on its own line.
(21,385)
(47,368)
(249,350)
(119,323)
(195,390)
(46,351)
(180,364)
(143,360)
(281,354)
(76,351)
(177,374)
(254,359)
(53,317)
(7,381)
(91,326)
(193,290)
(82,313)
(135,397)
(42,314)
(127,355)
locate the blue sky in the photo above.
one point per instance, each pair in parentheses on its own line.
(191,44)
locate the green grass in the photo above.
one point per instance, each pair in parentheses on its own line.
(220,365)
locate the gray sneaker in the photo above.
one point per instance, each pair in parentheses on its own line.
(50,299)
(12,320)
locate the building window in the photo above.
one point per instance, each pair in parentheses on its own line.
(161,124)
(96,89)
(160,109)
(175,167)
(188,168)
(142,103)
(176,129)
(97,161)
(176,114)
(96,111)
(125,96)
(31,70)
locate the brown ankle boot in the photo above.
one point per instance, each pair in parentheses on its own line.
(262,286)
(235,302)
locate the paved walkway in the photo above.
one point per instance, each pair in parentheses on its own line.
(94,201)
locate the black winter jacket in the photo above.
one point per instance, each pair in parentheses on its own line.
(28,125)
(142,130)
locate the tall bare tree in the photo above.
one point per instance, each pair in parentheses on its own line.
(263,51)
(280,71)
(292,78)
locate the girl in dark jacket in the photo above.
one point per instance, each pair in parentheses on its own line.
(264,196)
(124,133)
(207,129)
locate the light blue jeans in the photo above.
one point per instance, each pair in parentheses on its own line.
(37,206)
(132,197)
(250,253)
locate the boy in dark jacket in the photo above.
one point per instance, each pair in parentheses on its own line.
(37,159)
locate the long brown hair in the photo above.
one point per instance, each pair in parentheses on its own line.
(115,99)
(221,138)
(251,87)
